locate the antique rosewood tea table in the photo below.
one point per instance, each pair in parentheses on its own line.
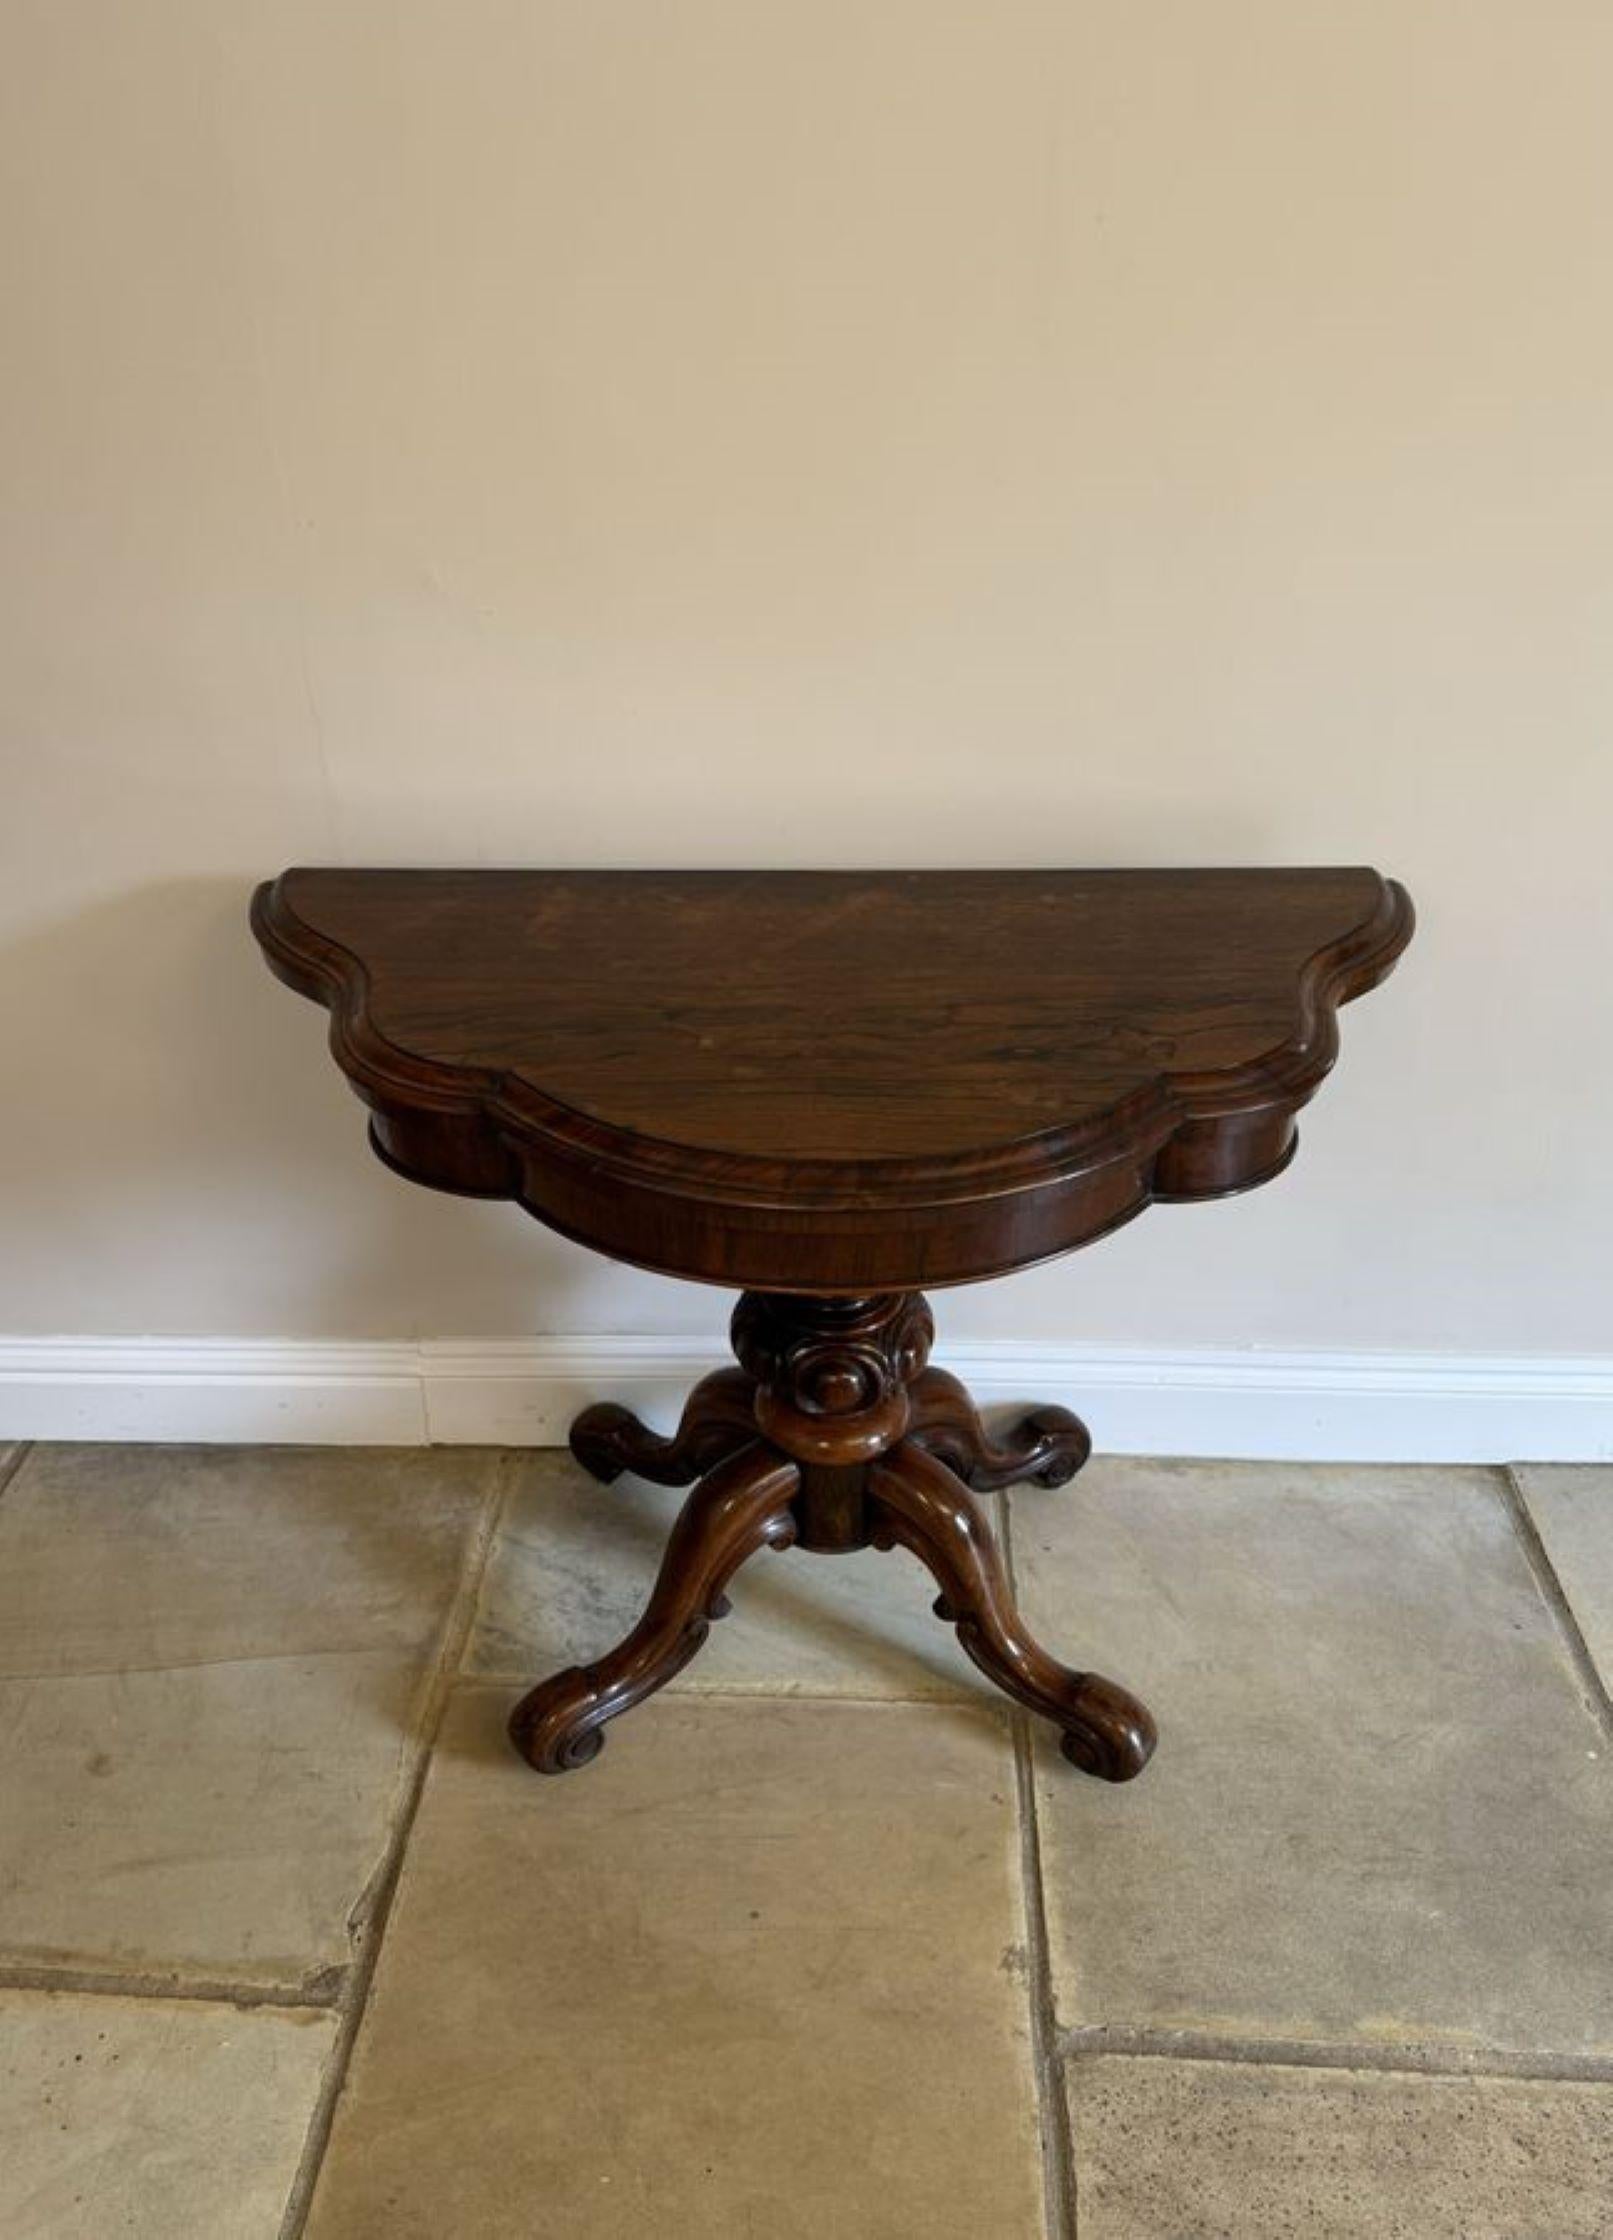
(830,1090)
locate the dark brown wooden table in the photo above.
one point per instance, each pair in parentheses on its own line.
(828,1090)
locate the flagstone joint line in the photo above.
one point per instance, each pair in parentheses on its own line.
(1420,2058)
(368,1920)
(317,1993)
(1555,1597)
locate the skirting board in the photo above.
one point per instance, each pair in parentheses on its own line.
(1345,1407)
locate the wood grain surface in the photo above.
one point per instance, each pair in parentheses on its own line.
(826,1081)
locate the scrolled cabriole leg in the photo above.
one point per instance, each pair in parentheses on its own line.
(742,1506)
(1047,1445)
(719,1417)
(919,1504)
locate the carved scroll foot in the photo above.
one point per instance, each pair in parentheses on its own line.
(743,1505)
(918,1503)
(719,1417)
(1048,1445)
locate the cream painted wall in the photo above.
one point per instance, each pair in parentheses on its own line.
(865,431)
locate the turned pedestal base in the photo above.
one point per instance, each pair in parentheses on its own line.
(833,1433)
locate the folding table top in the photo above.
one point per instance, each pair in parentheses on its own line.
(834,1080)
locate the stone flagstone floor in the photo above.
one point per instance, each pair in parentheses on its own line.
(830,1942)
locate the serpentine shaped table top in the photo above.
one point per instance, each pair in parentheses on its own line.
(834,1081)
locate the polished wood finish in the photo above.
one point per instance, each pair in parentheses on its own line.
(828,1089)
(834,1081)
(719,1417)
(919,1505)
(743,1505)
(1047,1445)
(835,1461)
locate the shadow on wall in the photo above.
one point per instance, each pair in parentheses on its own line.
(181,1157)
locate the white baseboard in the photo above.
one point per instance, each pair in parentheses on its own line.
(1347,1407)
